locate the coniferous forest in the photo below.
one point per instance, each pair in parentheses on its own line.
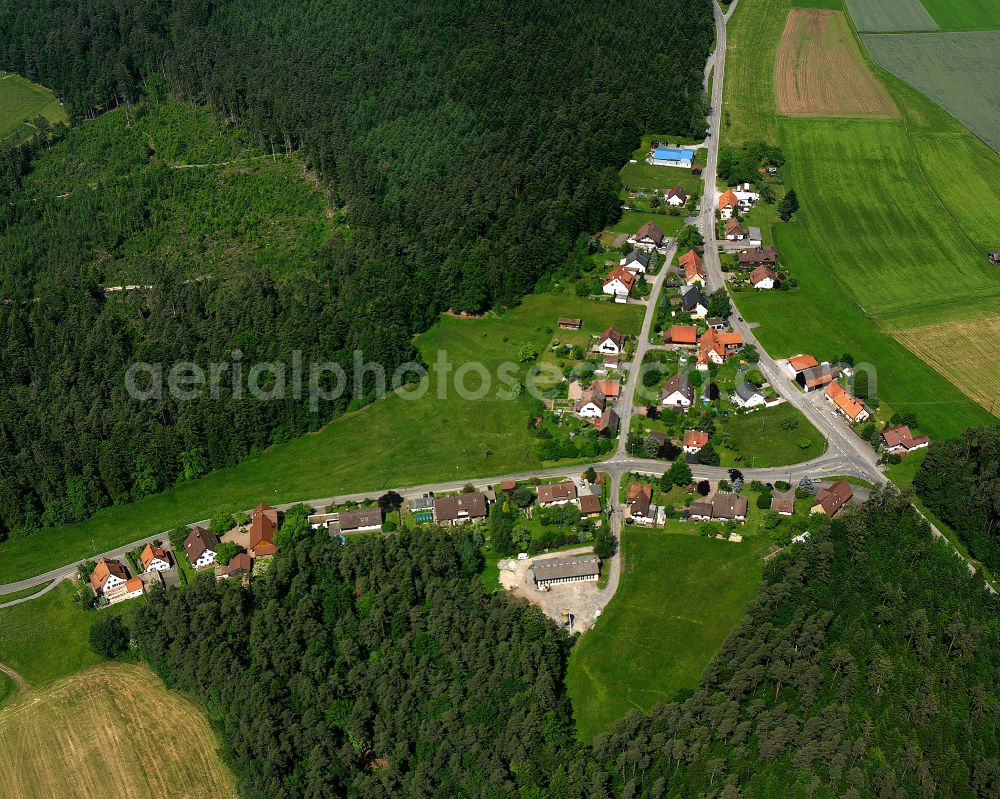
(463,148)
(866,667)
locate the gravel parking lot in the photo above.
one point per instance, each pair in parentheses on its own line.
(584,601)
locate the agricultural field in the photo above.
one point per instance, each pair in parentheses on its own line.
(894,15)
(964,15)
(405,442)
(21,102)
(965,350)
(958,71)
(819,70)
(679,597)
(56,742)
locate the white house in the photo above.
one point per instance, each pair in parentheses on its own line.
(154,559)
(637,262)
(591,404)
(745,198)
(693,301)
(550,494)
(619,283)
(748,395)
(694,440)
(132,588)
(648,237)
(672,156)
(108,578)
(763,278)
(611,342)
(677,392)
(200,546)
(676,197)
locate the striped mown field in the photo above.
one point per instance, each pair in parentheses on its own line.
(22,101)
(112,730)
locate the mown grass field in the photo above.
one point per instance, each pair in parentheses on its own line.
(392,443)
(819,70)
(897,15)
(112,730)
(762,441)
(22,101)
(964,15)
(10,597)
(680,596)
(958,71)
(46,639)
(876,241)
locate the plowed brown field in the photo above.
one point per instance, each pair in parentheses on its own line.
(820,71)
(112,730)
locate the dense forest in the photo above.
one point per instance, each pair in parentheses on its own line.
(866,667)
(463,148)
(959,481)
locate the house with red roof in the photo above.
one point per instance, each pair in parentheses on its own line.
(846,404)
(619,283)
(728,204)
(681,335)
(900,439)
(763,277)
(694,269)
(694,440)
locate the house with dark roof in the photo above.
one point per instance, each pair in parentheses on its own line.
(360,520)
(590,504)
(566,323)
(263,526)
(200,547)
(608,422)
(556,493)
(694,302)
(457,509)
(640,504)
(816,378)
(721,507)
(677,392)
(675,197)
(830,500)
(239,566)
(556,571)
(735,231)
(747,395)
(757,256)
(782,506)
(648,237)
(591,404)
(637,262)
(610,342)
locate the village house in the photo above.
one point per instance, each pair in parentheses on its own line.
(590,505)
(239,566)
(134,587)
(716,324)
(640,508)
(611,389)
(899,439)
(619,283)
(556,571)
(694,302)
(648,237)
(846,404)
(458,509)
(830,500)
(694,269)
(263,526)
(681,336)
(360,520)
(745,197)
(672,156)
(817,377)
(694,440)
(608,423)
(637,262)
(677,392)
(754,238)
(550,494)
(722,507)
(675,197)
(200,547)
(735,231)
(717,348)
(566,323)
(154,559)
(758,256)
(108,578)
(747,395)
(591,404)
(799,363)
(763,278)
(783,507)
(610,342)
(728,205)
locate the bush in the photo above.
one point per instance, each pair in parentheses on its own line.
(389,526)
(226,552)
(804,443)
(108,637)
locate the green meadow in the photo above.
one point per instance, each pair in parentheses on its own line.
(679,597)
(393,442)
(897,15)
(964,15)
(21,102)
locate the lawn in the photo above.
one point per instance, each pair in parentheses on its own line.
(392,443)
(631,221)
(891,15)
(57,742)
(958,71)
(46,639)
(22,593)
(21,102)
(752,39)
(680,596)
(964,14)
(766,438)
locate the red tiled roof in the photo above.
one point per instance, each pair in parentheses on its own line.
(728,199)
(695,438)
(850,405)
(622,275)
(682,334)
(760,274)
(800,362)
